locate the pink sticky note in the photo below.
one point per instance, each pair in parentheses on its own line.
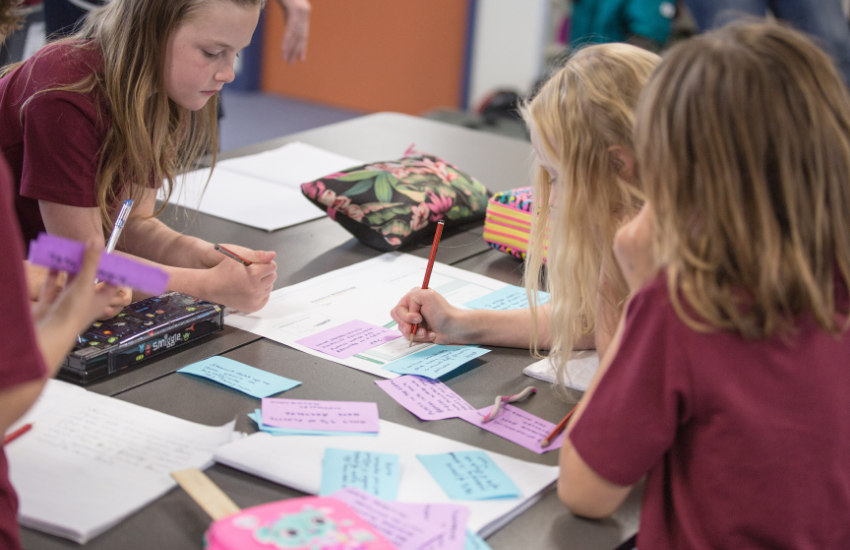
(450,517)
(408,531)
(307,414)
(63,254)
(427,399)
(348,339)
(514,424)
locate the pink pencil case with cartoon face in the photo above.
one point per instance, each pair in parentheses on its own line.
(308,523)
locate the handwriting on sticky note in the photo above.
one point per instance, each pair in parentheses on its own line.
(374,473)
(509,297)
(257,417)
(427,399)
(450,518)
(348,339)
(66,255)
(239,376)
(469,475)
(340,416)
(402,529)
(514,424)
(436,361)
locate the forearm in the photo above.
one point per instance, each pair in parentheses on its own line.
(510,328)
(152,240)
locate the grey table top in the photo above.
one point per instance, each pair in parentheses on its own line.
(306,251)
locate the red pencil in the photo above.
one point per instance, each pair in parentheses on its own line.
(428,271)
(16,434)
(232,255)
(558,429)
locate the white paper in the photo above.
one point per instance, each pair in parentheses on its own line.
(291,165)
(261,190)
(366,291)
(581,367)
(275,459)
(91,461)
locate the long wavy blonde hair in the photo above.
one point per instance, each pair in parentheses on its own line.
(582,111)
(743,138)
(150,138)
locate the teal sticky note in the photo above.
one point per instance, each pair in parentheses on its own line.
(474,542)
(257,417)
(435,361)
(510,297)
(469,475)
(374,473)
(240,376)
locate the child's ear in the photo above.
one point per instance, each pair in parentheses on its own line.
(624,161)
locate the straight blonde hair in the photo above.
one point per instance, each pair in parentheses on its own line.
(743,139)
(150,139)
(582,111)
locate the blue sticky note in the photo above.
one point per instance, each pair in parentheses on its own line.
(436,361)
(469,475)
(474,542)
(374,473)
(510,297)
(257,417)
(239,376)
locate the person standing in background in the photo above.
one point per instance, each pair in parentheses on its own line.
(644,23)
(823,20)
(61,18)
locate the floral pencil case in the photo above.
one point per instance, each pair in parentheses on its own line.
(387,205)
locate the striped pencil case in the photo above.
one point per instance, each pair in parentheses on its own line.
(507,223)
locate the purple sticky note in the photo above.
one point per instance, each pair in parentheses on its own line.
(307,414)
(63,254)
(514,424)
(427,399)
(405,531)
(450,517)
(350,338)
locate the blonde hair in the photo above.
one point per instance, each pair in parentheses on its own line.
(10,17)
(150,139)
(743,138)
(586,108)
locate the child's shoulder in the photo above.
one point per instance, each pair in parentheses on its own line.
(59,64)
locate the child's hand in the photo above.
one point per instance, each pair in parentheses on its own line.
(431,311)
(294,46)
(63,313)
(244,288)
(633,249)
(120,300)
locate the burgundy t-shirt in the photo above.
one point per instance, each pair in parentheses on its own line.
(53,143)
(745,444)
(20,359)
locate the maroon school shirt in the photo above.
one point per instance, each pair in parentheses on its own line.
(20,359)
(52,140)
(745,444)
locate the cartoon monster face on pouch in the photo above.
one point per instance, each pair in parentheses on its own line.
(304,529)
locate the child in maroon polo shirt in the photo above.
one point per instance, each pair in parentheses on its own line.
(727,383)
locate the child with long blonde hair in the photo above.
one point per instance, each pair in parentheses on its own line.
(111,113)
(726,383)
(585,187)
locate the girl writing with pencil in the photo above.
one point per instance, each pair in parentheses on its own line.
(33,343)
(726,384)
(585,187)
(111,113)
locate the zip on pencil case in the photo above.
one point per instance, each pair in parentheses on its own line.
(507,222)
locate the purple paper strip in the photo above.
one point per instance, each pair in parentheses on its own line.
(348,339)
(450,517)
(306,414)
(406,531)
(514,424)
(427,399)
(63,254)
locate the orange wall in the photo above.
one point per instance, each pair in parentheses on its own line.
(373,55)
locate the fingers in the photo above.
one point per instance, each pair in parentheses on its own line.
(91,258)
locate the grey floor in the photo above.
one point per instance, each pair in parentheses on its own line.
(251,117)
